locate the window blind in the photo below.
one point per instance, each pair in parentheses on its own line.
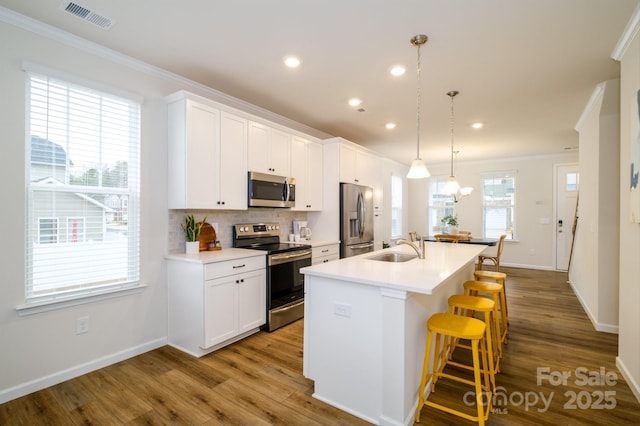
(82,190)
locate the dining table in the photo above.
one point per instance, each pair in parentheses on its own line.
(471,240)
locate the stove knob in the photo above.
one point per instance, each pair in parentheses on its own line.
(243,229)
(276,227)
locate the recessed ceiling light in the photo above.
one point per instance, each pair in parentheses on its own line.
(292,62)
(390,126)
(354,102)
(398,70)
(477,125)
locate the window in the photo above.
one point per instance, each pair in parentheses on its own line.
(499,204)
(440,205)
(47,230)
(396,206)
(83,190)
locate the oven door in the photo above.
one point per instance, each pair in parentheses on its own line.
(285,282)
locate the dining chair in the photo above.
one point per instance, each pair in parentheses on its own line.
(446,237)
(493,256)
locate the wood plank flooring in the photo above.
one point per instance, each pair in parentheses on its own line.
(259,381)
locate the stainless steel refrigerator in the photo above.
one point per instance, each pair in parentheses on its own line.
(356,219)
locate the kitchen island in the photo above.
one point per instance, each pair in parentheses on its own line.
(365,331)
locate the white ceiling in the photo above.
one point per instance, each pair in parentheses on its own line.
(525,68)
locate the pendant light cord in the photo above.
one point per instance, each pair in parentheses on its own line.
(418,105)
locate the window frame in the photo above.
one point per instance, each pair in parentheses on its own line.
(397,211)
(132,119)
(436,210)
(497,204)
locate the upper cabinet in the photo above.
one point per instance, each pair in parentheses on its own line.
(306,168)
(356,166)
(207,155)
(269,150)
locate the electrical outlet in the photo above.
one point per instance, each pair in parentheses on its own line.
(532,252)
(342,309)
(82,325)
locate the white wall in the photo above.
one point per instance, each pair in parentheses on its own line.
(628,360)
(42,349)
(534,246)
(594,268)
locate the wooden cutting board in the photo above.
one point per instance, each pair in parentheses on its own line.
(207,234)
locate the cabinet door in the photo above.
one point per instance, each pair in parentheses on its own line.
(232,178)
(299,172)
(348,164)
(193,139)
(220,310)
(252,301)
(315,176)
(280,152)
(258,148)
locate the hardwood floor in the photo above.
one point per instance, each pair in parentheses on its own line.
(259,381)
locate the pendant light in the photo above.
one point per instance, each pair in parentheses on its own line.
(418,169)
(452,187)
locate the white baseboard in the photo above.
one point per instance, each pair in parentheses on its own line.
(525,266)
(633,385)
(78,370)
(606,328)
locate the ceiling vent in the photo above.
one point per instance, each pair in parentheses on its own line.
(88,15)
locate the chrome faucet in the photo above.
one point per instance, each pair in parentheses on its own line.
(421,251)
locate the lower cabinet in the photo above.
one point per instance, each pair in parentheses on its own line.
(214,304)
(324,254)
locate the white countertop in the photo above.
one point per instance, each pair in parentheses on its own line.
(416,275)
(216,256)
(314,243)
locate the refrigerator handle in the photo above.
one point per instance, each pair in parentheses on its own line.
(361,214)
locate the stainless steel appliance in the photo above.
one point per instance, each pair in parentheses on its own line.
(285,283)
(271,191)
(356,219)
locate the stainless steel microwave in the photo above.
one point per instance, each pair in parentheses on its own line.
(271,191)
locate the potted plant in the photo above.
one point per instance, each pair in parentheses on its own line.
(451,224)
(192,233)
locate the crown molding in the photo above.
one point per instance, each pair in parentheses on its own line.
(629,33)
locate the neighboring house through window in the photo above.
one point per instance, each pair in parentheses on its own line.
(440,205)
(499,204)
(83,190)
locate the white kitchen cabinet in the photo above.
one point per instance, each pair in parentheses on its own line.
(355,166)
(306,168)
(269,150)
(325,253)
(207,149)
(232,178)
(214,304)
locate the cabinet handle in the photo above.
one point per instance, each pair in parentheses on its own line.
(239,281)
(325,251)
(239,266)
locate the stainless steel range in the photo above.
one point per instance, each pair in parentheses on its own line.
(285,283)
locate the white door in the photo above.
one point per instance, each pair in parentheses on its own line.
(567,182)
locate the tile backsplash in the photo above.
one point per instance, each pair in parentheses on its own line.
(226,219)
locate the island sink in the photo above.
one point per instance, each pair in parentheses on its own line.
(393,257)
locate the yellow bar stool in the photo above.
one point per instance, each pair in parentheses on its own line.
(460,304)
(499,277)
(440,326)
(473,288)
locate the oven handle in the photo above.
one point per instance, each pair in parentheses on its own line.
(276,259)
(287,307)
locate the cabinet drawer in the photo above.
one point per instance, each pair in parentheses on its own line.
(232,267)
(329,250)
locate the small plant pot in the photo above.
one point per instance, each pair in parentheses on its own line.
(192,247)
